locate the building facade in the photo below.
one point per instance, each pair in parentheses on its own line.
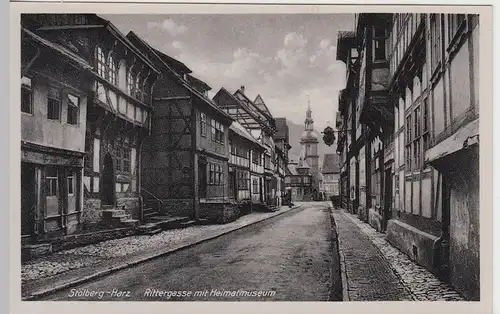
(298,180)
(309,153)
(242,144)
(261,126)
(282,140)
(417,110)
(117,113)
(185,158)
(331,176)
(55,83)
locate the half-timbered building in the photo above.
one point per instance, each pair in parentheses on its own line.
(55,82)
(261,126)
(282,142)
(242,144)
(118,120)
(185,158)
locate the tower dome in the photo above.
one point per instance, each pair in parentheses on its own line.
(309,136)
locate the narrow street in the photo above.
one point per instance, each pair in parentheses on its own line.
(286,258)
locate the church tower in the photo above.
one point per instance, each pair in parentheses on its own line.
(309,143)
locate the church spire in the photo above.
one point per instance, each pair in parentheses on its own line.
(309,120)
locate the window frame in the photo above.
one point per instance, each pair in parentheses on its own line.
(54,95)
(74,107)
(29,89)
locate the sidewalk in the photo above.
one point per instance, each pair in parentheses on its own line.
(70,267)
(373,269)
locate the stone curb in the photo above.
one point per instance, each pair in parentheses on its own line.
(141,259)
(343,271)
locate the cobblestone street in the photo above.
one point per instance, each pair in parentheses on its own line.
(375,270)
(289,255)
(103,252)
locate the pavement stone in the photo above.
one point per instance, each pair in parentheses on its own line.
(90,256)
(419,283)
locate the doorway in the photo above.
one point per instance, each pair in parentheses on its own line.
(202,179)
(108,181)
(387,198)
(28,199)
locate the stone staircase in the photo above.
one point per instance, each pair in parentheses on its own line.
(115,218)
(154,222)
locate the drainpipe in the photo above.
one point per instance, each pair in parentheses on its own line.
(28,66)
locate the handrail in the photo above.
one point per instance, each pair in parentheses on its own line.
(155,197)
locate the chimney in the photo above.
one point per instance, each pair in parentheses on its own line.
(242,89)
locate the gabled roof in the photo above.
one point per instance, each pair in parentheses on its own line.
(237,109)
(237,128)
(174,63)
(331,164)
(155,53)
(262,118)
(281,129)
(292,170)
(199,82)
(259,103)
(79,61)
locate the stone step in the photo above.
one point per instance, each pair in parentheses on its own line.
(149,228)
(187,223)
(130,222)
(168,222)
(147,215)
(108,213)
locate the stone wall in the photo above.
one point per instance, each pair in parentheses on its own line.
(375,219)
(418,245)
(219,212)
(130,205)
(91,211)
(177,207)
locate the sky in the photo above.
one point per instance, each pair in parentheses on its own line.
(287,59)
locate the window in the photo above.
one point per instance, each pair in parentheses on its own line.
(408,139)
(435,40)
(73,109)
(119,158)
(255,186)
(101,62)
(216,175)
(111,69)
(26,95)
(54,105)
(126,159)
(71,184)
(203,124)
(130,82)
(123,152)
(213,129)
(379,43)
(455,21)
(52,182)
(425,130)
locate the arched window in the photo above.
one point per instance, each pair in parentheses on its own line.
(101,62)
(111,69)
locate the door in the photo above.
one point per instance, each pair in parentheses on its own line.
(233,191)
(108,181)
(28,199)
(261,190)
(202,179)
(387,198)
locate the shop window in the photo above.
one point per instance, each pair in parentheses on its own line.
(52,182)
